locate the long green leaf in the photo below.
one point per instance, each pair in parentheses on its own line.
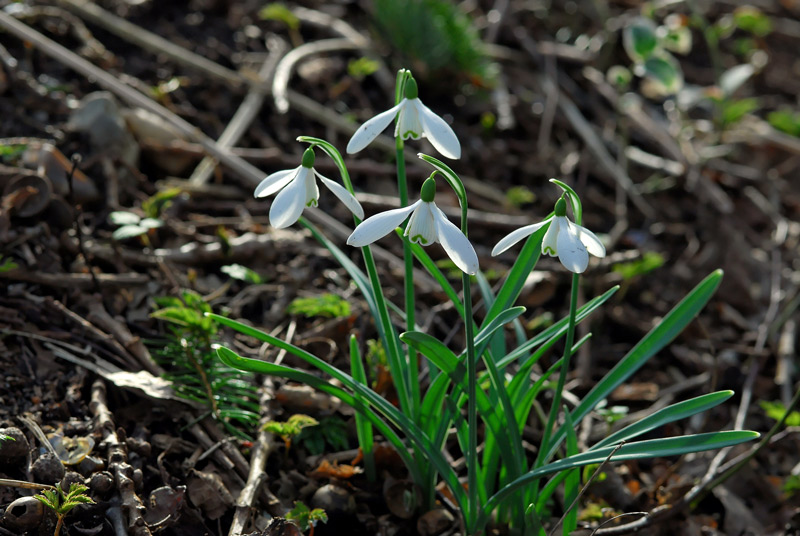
(523,266)
(380,404)
(654,448)
(675,412)
(661,335)
(363,426)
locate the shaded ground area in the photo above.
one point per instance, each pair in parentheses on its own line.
(677,189)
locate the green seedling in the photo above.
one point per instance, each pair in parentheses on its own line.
(62,503)
(242,273)
(306,519)
(289,429)
(776,412)
(330,432)
(132,225)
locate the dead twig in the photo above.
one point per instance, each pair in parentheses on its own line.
(118,465)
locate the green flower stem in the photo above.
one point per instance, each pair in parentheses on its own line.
(544,448)
(472,406)
(408,285)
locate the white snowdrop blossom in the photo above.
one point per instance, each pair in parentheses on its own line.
(298,190)
(414,120)
(570,242)
(427,224)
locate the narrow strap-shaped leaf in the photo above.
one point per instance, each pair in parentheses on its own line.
(363,426)
(430,266)
(373,294)
(523,266)
(573,479)
(498,342)
(675,412)
(661,335)
(654,448)
(559,327)
(380,404)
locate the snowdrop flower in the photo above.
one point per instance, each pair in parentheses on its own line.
(298,190)
(427,225)
(414,120)
(569,241)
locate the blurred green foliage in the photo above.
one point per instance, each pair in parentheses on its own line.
(437,34)
(327,305)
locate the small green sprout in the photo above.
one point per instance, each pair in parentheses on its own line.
(291,428)
(362,68)
(650,261)
(327,305)
(6,264)
(304,518)
(776,411)
(62,503)
(516,196)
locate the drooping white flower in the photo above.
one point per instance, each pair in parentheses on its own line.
(414,120)
(570,242)
(298,190)
(427,224)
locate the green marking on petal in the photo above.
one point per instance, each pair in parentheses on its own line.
(312,203)
(419,239)
(410,134)
(549,251)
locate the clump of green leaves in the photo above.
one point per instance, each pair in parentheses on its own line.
(304,518)
(287,430)
(327,305)
(62,503)
(436,33)
(194,370)
(648,47)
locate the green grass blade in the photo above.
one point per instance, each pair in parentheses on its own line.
(675,412)
(661,335)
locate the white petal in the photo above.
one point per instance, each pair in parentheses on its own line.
(275,182)
(421,226)
(549,242)
(379,225)
(344,196)
(515,236)
(408,123)
(370,130)
(288,204)
(571,251)
(455,244)
(312,190)
(590,240)
(438,132)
